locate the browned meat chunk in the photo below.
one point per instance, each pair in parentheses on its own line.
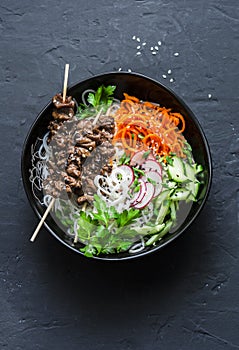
(58,101)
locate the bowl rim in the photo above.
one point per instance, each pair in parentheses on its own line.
(156,248)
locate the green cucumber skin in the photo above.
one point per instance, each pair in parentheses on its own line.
(185,175)
(176,171)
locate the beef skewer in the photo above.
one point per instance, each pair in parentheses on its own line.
(33,237)
(74,164)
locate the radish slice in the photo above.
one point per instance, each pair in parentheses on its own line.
(138,158)
(156,179)
(147,197)
(128,172)
(152,165)
(138,197)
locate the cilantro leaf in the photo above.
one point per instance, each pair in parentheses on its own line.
(124,159)
(102,98)
(91,99)
(86,227)
(102,213)
(127,216)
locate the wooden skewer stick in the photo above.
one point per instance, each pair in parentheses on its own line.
(32,239)
(42,220)
(65,81)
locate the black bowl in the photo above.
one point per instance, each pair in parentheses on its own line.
(145,89)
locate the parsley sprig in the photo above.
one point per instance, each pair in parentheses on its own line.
(105,230)
(100,100)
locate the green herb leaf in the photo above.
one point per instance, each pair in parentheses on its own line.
(91,99)
(146,154)
(137,188)
(124,159)
(88,251)
(169,160)
(127,216)
(102,213)
(138,171)
(151,181)
(102,96)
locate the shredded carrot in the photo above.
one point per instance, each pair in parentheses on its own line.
(130,98)
(144,125)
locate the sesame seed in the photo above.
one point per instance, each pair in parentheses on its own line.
(156,47)
(138,47)
(209,96)
(143,44)
(134,37)
(151,48)
(129,70)
(169,71)
(159,43)
(171,80)
(138,53)
(138,39)
(154,52)
(164,76)
(120,69)
(176,54)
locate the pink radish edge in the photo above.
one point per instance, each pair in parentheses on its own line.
(147,197)
(155,177)
(140,194)
(152,165)
(138,159)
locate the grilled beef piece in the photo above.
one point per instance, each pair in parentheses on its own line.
(58,101)
(61,112)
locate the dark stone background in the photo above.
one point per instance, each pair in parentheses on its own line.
(185,297)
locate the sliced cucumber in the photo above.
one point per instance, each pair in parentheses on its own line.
(158,236)
(176,170)
(164,195)
(149,230)
(180,194)
(189,172)
(199,168)
(162,212)
(152,239)
(171,184)
(193,188)
(173,211)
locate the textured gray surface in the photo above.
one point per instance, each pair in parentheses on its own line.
(185,297)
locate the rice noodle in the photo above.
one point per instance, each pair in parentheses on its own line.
(47,200)
(38,171)
(113,108)
(137,247)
